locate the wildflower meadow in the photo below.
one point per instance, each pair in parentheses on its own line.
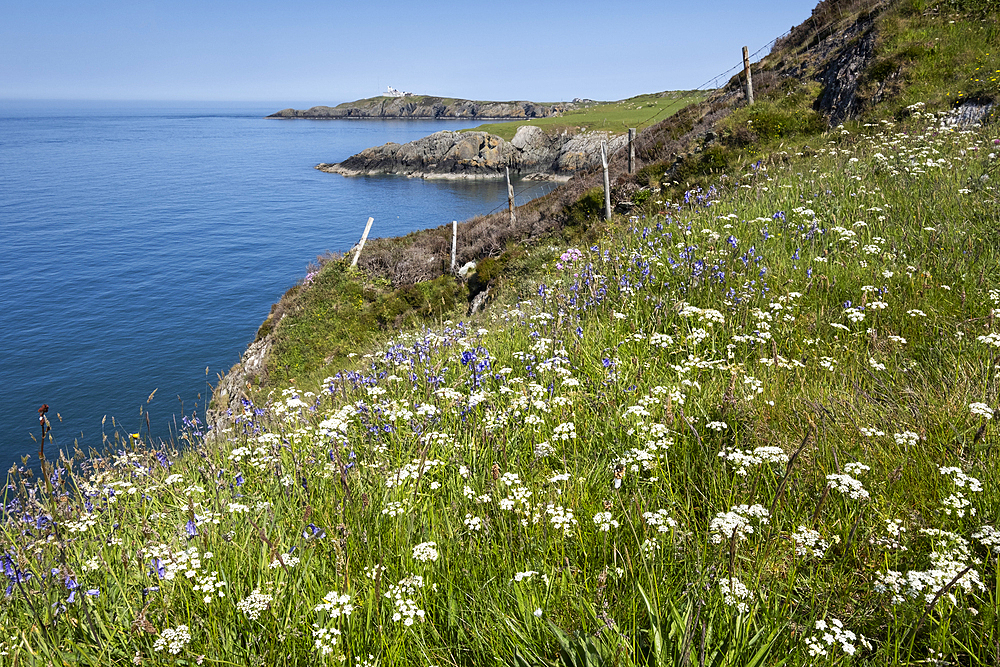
(752,426)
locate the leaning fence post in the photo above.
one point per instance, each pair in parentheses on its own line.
(510,199)
(607,182)
(746,73)
(454,242)
(631,149)
(364,237)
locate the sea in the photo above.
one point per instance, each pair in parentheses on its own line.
(142,245)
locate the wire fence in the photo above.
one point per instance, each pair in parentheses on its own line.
(686,98)
(821,14)
(823,22)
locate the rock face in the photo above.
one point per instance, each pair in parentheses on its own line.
(422,106)
(232,388)
(481,155)
(842,76)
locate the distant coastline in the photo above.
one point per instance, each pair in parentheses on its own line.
(429,107)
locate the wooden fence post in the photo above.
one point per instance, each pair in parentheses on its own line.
(454,243)
(607,182)
(746,73)
(631,150)
(510,199)
(364,237)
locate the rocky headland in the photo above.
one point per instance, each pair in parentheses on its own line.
(532,152)
(425,106)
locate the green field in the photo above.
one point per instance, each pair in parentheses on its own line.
(636,112)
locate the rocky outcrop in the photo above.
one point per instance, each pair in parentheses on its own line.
(422,106)
(481,155)
(842,77)
(227,396)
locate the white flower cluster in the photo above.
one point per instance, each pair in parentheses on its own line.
(961,480)
(473,523)
(562,518)
(528,575)
(325,639)
(82,525)
(413,470)
(893,538)
(990,339)
(856,468)
(426,552)
(211,587)
(848,486)
(604,522)
(735,594)
(736,522)
(171,563)
(906,438)
(335,604)
(402,595)
(426,410)
(981,409)
(255,604)
(989,537)
(744,460)
(544,449)
(393,508)
(950,557)
(564,431)
(809,542)
(172,639)
(957,503)
(650,548)
(660,520)
(834,633)
(258,458)
(289,561)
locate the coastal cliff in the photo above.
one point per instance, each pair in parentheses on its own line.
(482,155)
(426,106)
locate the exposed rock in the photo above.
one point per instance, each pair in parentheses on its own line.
(226,395)
(481,155)
(842,77)
(584,150)
(466,269)
(479,301)
(973,112)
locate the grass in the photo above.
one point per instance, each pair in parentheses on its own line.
(336,310)
(615,117)
(751,424)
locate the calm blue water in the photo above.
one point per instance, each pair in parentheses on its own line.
(140,246)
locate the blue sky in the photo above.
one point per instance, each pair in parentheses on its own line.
(321,52)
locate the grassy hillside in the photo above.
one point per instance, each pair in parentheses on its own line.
(751,422)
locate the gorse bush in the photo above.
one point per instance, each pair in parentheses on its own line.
(756,428)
